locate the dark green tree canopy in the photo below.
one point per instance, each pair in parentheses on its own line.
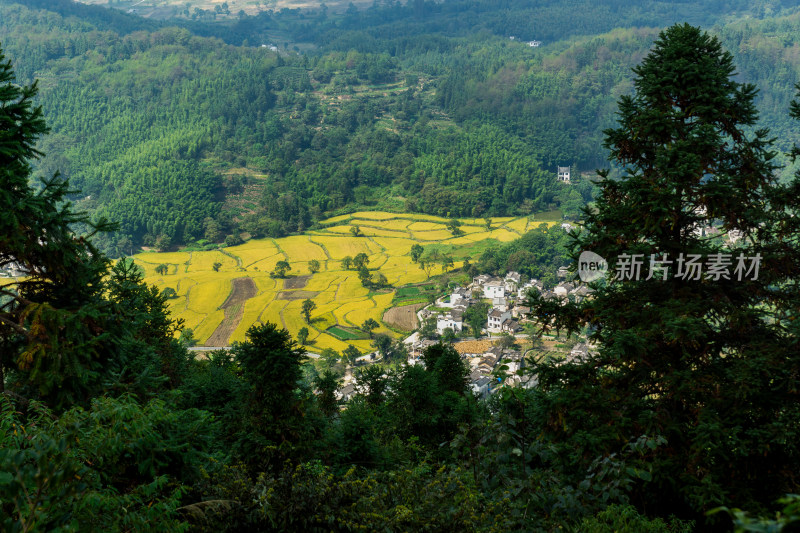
(685,357)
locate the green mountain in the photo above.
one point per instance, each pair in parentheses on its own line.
(195,130)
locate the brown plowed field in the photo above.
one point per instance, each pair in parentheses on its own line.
(296,295)
(403,317)
(243,289)
(297,282)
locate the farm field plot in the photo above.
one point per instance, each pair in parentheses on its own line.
(399,224)
(242,289)
(204,261)
(401,270)
(157,258)
(191,319)
(325,281)
(253,251)
(251,313)
(504,235)
(340,299)
(267,264)
(343,230)
(424,226)
(403,317)
(347,307)
(374,215)
(372,231)
(207,327)
(433,236)
(395,245)
(346,334)
(272,312)
(472,229)
(300,248)
(207,295)
(339,247)
(519,224)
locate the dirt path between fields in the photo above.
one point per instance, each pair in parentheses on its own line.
(243,289)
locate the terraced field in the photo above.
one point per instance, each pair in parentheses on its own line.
(340,298)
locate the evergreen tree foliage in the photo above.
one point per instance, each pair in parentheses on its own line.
(271,365)
(710,363)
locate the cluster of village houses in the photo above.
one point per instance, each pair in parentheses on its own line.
(507,296)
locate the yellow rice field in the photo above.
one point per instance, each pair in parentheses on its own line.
(339,247)
(399,224)
(204,261)
(424,226)
(433,236)
(338,294)
(253,251)
(380,232)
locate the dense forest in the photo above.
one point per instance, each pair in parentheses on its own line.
(686,418)
(185,130)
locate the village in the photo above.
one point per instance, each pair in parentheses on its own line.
(504,346)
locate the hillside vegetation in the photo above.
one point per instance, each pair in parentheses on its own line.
(680,414)
(426,108)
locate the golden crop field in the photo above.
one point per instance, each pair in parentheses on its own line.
(400,224)
(253,251)
(380,232)
(398,245)
(433,236)
(167,258)
(424,226)
(339,247)
(208,295)
(300,248)
(267,264)
(338,294)
(204,261)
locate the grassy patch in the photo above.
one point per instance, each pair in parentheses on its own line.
(346,334)
(403,292)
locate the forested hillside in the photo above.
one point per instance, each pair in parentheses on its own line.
(426,107)
(683,415)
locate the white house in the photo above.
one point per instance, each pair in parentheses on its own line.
(495,320)
(494,289)
(453,321)
(563,174)
(510,326)
(478,281)
(481,386)
(460,296)
(500,303)
(512,281)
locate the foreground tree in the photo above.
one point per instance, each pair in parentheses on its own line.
(706,358)
(271,365)
(70,329)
